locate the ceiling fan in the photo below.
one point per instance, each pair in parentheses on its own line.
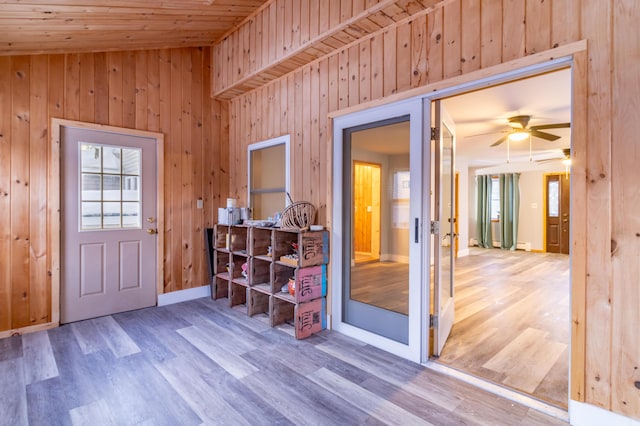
(520,131)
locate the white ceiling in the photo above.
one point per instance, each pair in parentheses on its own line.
(546,98)
(481,117)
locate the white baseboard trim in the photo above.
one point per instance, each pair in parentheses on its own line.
(582,414)
(499,390)
(184,295)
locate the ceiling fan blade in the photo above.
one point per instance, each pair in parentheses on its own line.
(544,135)
(501,140)
(551,126)
(485,134)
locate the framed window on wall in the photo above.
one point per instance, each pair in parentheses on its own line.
(268,178)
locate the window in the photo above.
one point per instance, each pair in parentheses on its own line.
(109,180)
(268,177)
(495,198)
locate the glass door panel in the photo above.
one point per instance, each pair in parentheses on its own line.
(444,240)
(376,247)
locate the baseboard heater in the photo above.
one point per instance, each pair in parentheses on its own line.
(520,246)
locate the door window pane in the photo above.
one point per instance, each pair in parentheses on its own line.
(91,187)
(130,187)
(130,215)
(553,198)
(111,215)
(111,162)
(91,158)
(131,161)
(111,188)
(110,195)
(91,215)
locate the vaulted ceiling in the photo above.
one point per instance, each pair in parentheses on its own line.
(61,26)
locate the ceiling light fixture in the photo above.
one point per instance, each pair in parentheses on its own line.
(518,135)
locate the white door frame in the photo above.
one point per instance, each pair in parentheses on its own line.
(413,108)
(54,201)
(419,299)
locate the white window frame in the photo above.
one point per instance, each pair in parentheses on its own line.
(284,139)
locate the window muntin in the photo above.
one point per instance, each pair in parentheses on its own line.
(110,183)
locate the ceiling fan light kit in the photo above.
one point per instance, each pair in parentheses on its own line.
(518,135)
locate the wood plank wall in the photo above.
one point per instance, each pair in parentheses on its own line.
(278,29)
(457,38)
(160,90)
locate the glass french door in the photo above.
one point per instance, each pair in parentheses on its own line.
(378,207)
(444,235)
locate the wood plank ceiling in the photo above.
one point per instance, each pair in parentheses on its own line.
(65,26)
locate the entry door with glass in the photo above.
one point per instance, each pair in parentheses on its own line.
(380,220)
(109,223)
(444,235)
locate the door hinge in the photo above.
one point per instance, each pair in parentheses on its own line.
(435,133)
(435,227)
(433,321)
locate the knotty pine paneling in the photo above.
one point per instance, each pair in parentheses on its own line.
(456,39)
(158,90)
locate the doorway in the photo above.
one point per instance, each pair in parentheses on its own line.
(445,266)
(557,212)
(511,323)
(109,220)
(366,211)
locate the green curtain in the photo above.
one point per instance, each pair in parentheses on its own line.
(509,210)
(483,221)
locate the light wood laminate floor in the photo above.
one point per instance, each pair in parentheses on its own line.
(511,316)
(201,362)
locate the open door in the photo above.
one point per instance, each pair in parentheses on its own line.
(444,235)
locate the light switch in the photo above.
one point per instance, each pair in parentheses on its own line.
(199,203)
(534,205)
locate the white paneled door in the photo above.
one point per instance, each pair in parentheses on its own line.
(109,223)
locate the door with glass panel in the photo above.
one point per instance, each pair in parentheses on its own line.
(377,177)
(109,214)
(444,235)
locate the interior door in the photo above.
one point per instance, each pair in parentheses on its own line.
(557,213)
(444,230)
(109,199)
(366,188)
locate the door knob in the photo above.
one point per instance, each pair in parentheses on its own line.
(151,231)
(150,220)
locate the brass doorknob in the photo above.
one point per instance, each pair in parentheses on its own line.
(151,231)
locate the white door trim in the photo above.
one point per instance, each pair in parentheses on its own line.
(412,107)
(54,201)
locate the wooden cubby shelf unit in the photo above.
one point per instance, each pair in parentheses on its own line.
(253,265)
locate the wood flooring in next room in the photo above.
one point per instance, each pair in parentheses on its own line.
(511,316)
(201,362)
(512,321)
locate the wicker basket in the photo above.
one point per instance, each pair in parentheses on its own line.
(299,215)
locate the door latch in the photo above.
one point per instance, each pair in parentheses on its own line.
(435,227)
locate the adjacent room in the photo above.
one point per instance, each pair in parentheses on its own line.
(319,212)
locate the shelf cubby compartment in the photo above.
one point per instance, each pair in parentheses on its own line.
(237,262)
(280,311)
(259,271)
(259,243)
(237,294)
(221,237)
(238,239)
(280,275)
(220,286)
(257,302)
